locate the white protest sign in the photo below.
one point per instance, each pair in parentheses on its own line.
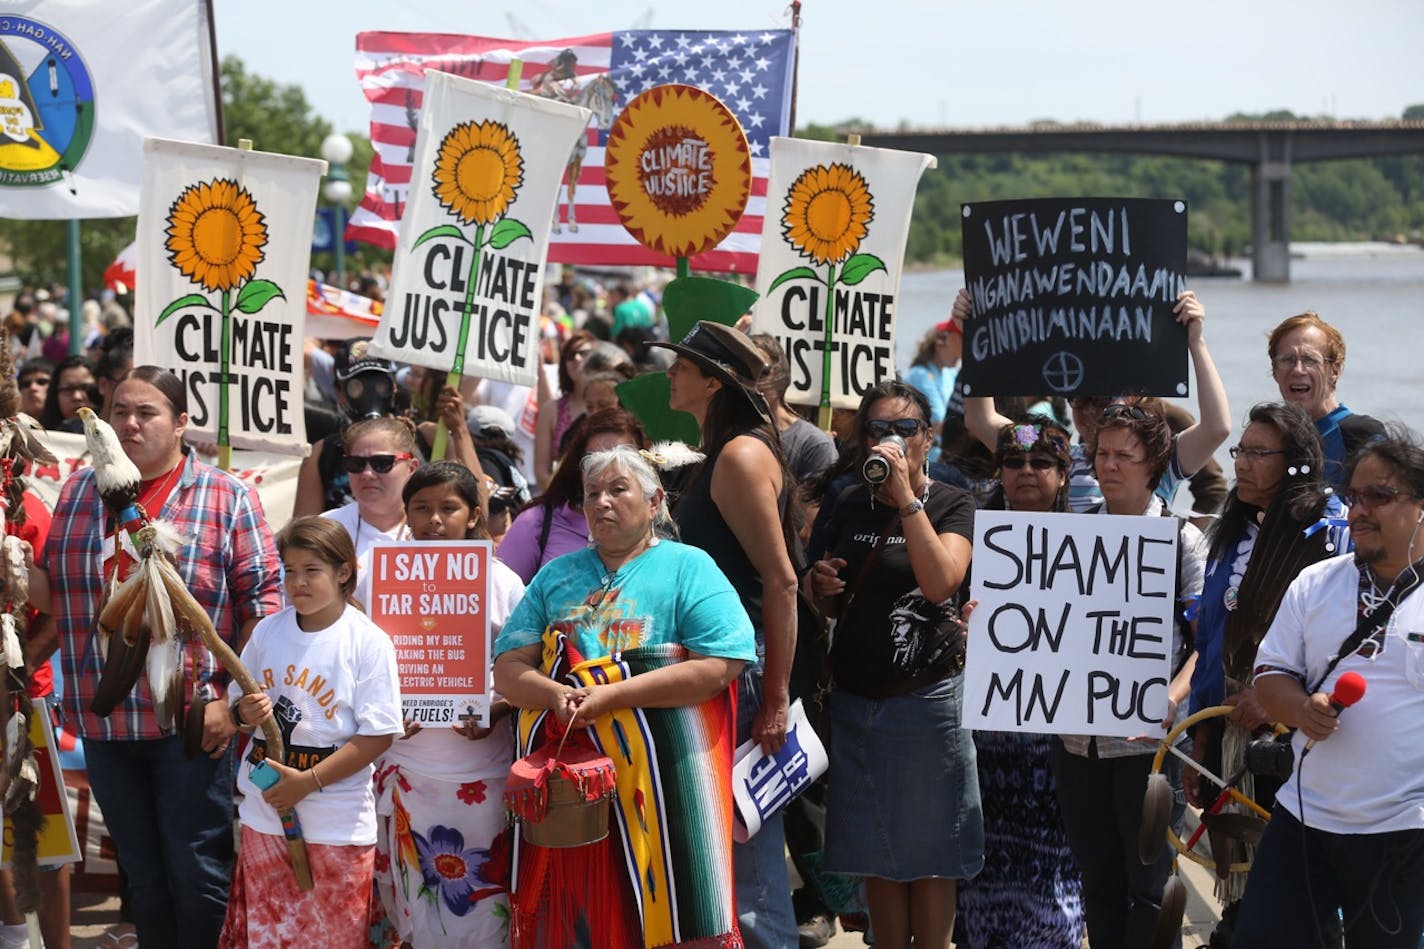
(763,784)
(224,238)
(832,244)
(1073,633)
(469,266)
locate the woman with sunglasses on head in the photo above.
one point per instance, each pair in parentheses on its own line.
(1029,892)
(1101,780)
(380,457)
(737,507)
(556,416)
(1277,521)
(902,807)
(1193,446)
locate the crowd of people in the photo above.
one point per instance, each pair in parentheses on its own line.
(662,606)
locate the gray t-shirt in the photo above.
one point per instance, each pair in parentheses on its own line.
(809,451)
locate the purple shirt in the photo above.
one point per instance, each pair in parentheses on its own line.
(520,547)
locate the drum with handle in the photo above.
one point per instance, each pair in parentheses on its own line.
(561,794)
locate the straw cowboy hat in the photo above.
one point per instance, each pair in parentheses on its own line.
(728,355)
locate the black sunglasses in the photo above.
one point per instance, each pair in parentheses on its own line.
(380,464)
(904,427)
(34,381)
(1036,462)
(1120,410)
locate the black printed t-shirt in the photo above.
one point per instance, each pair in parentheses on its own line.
(861,650)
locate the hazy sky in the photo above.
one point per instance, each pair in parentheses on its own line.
(993,62)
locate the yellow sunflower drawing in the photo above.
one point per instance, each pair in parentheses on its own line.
(216,234)
(678,170)
(826,212)
(477,171)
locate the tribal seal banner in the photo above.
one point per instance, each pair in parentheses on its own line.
(78,94)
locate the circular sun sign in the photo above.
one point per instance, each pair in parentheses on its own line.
(678,170)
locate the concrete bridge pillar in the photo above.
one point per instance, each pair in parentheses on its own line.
(1270,209)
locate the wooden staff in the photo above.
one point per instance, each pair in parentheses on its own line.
(186,607)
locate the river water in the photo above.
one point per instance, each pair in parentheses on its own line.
(1373,293)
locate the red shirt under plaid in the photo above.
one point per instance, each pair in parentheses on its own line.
(228,562)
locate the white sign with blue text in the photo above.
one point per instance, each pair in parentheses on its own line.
(763,784)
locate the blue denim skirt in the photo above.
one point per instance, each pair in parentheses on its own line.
(903,795)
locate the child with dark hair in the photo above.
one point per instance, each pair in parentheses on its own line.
(330,675)
(439,789)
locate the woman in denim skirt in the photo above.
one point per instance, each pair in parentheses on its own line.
(902,808)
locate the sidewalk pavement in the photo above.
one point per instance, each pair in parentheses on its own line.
(94,913)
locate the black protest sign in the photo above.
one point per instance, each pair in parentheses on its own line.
(1073,631)
(1075,296)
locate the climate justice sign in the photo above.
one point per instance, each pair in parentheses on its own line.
(469,265)
(1073,630)
(1075,296)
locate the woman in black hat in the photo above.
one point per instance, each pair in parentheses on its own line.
(736,507)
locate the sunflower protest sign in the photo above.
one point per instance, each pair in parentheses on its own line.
(223,245)
(469,266)
(679,173)
(845,209)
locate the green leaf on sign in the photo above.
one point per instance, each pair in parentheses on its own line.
(796,273)
(256,294)
(506,232)
(859,267)
(444,230)
(182,303)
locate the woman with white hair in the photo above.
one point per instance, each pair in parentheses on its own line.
(634,642)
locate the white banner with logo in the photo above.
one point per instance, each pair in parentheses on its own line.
(469,266)
(224,239)
(82,84)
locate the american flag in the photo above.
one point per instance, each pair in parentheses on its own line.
(750,72)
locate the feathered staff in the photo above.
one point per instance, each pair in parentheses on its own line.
(149,615)
(20,775)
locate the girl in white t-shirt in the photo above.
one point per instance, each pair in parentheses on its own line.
(330,680)
(443,853)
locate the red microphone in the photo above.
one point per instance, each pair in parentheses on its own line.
(1349,689)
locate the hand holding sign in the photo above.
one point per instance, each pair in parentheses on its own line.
(1191,314)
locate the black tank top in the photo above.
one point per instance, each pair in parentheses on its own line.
(701,524)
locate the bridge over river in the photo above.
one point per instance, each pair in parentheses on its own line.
(1270,148)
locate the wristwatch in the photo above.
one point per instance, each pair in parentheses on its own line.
(912,507)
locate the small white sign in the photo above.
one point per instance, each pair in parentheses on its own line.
(763,784)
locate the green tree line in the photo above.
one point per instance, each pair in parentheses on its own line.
(1366,199)
(1360,199)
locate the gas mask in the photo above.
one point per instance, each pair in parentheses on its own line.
(368,394)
